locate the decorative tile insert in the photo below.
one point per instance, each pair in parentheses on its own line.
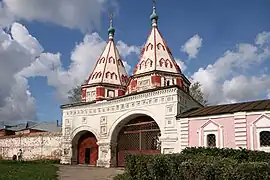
(84,120)
(103,120)
(169,122)
(169,110)
(103,130)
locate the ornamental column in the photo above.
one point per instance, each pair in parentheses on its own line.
(106,154)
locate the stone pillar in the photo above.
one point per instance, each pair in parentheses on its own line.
(106,154)
(240,130)
(66,151)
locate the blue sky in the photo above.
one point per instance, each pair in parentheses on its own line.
(221,25)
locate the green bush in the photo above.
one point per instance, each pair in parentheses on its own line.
(242,155)
(124,176)
(192,166)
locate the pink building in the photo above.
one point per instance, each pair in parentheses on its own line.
(239,125)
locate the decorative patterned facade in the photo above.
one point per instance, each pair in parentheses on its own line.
(150,112)
(156,67)
(109,77)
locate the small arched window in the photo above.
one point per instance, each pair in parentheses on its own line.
(151,46)
(111,93)
(102,60)
(111,60)
(107,74)
(160,45)
(168,83)
(93,76)
(265,138)
(211,140)
(148,63)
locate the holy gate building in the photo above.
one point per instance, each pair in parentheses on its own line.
(151,111)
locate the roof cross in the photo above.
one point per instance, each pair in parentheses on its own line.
(154,4)
(111,15)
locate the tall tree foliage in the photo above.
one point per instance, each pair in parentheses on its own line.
(196,92)
(75,94)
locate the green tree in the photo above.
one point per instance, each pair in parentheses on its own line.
(75,94)
(196,92)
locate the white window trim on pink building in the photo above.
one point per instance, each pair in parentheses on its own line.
(262,123)
(211,127)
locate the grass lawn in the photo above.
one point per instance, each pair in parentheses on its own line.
(27,171)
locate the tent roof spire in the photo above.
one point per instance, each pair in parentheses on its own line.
(154,16)
(111,29)
(109,68)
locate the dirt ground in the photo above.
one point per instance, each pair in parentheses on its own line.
(78,172)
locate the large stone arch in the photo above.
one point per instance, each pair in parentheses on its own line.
(144,140)
(84,145)
(85,128)
(124,118)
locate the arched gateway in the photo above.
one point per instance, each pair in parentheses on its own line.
(137,134)
(128,114)
(84,148)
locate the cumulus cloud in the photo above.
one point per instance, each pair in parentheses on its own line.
(17,51)
(240,87)
(126,50)
(262,38)
(220,81)
(181,64)
(19,105)
(84,14)
(6,17)
(192,46)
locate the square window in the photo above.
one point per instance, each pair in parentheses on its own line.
(111,93)
(265,138)
(211,140)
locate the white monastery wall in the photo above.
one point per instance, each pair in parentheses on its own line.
(34,146)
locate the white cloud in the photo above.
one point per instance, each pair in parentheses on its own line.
(21,35)
(6,17)
(192,46)
(240,87)
(220,84)
(127,66)
(263,38)
(126,50)
(19,105)
(83,14)
(181,64)
(17,51)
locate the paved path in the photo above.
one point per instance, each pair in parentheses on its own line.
(78,172)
